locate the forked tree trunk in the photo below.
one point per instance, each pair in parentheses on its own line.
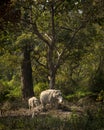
(52,79)
(51,62)
(26,77)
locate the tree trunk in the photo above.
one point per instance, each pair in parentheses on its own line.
(51,67)
(96,82)
(26,78)
(52,70)
(52,79)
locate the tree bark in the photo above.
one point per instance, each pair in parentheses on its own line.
(26,77)
(52,80)
(52,70)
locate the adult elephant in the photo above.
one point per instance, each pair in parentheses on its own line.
(50,96)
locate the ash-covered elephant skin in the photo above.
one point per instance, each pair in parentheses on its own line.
(50,96)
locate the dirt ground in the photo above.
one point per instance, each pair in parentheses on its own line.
(17,108)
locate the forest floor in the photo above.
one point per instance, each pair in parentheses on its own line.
(17,108)
(70,115)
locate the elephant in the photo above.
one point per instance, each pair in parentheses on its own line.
(50,96)
(33,102)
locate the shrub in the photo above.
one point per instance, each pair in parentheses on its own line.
(9,89)
(4,91)
(38,88)
(96,82)
(100,96)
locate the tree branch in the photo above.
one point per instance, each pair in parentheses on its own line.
(36,31)
(37,60)
(65,49)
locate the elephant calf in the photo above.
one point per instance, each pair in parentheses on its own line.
(33,102)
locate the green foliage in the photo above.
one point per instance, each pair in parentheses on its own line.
(89,121)
(77,95)
(97,81)
(81,47)
(2,126)
(4,91)
(100,96)
(9,89)
(25,39)
(14,84)
(38,88)
(71,97)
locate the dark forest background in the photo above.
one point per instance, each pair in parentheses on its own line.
(51,44)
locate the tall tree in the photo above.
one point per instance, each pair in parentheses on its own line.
(26,70)
(57,26)
(10,19)
(24,45)
(48,24)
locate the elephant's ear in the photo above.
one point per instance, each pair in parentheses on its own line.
(50,95)
(57,93)
(54,93)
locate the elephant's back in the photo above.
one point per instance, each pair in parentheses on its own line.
(44,96)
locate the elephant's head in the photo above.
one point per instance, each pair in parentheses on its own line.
(57,95)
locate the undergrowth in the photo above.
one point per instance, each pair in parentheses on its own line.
(89,121)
